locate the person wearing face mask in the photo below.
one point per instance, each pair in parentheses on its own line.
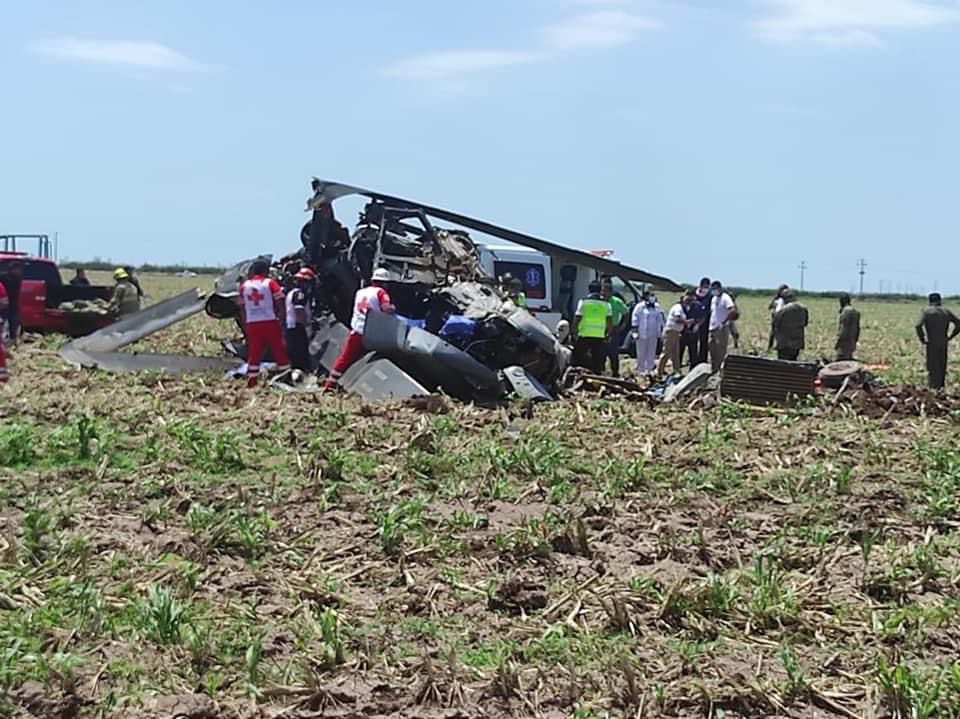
(676,321)
(723,310)
(695,337)
(648,321)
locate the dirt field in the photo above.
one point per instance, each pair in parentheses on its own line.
(187,548)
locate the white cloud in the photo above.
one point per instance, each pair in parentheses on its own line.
(603,28)
(142,54)
(452,64)
(849,22)
(605,25)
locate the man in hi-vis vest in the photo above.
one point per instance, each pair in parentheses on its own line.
(592,325)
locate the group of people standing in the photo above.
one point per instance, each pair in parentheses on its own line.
(700,326)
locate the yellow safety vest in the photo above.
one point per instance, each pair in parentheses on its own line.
(593,319)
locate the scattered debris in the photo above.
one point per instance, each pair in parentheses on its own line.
(834,374)
(454,330)
(767,381)
(901,402)
(697,379)
(100,349)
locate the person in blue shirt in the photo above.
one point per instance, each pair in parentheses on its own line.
(693,342)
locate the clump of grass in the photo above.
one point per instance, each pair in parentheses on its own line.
(18,445)
(161,616)
(397,521)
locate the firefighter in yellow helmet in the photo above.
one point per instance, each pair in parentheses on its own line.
(125,299)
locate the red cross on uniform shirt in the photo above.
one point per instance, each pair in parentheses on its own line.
(255,296)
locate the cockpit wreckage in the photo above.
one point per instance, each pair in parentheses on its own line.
(454,330)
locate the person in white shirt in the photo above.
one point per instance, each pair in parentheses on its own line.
(723,310)
(776,304)
(648,321)
(676,321)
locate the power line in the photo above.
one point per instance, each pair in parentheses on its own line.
(862,264)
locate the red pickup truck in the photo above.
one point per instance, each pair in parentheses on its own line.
(43,291)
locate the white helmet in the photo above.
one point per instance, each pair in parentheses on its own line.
(380,275)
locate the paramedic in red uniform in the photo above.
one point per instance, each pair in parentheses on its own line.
(4,307)
(261,302)
(373,297)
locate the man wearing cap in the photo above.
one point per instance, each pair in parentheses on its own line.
(125,299)
(848,329)
(261,306)
(373,297)
(592,325)
(298,320)
(789,327)
(933,329)
(723,310)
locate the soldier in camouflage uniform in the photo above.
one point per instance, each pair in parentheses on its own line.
(789,327)
(933,330)
(848,330)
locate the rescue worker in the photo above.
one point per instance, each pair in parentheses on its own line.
(13,282)
(261,307)
(848,329)
(621,321)
(789,327)
(514,290)
(134,281)
(677,320)
(4,307)
(125,300)
(298,320)
(647,322)
(592,326)
(933,329)
(80,279)
(373,297)
(723,311)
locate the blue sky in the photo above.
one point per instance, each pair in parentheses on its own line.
(733,139)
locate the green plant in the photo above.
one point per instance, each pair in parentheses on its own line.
(796,680)
(397,521)
(770,600)
(161,615)
(329,623)
(251,665)
(911,693)
(86,433)
(18,445)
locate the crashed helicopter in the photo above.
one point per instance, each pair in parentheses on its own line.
(454,331)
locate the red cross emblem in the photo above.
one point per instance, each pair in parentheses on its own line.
(255,296)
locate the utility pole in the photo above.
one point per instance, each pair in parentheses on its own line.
(862,264)
(803,269)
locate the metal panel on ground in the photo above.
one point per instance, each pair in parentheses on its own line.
(141,324)
(766,381)
(526,385)
(328,340)
(698,377)
(168,364)
(377,379)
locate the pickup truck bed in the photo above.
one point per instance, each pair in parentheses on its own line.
(43,291)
